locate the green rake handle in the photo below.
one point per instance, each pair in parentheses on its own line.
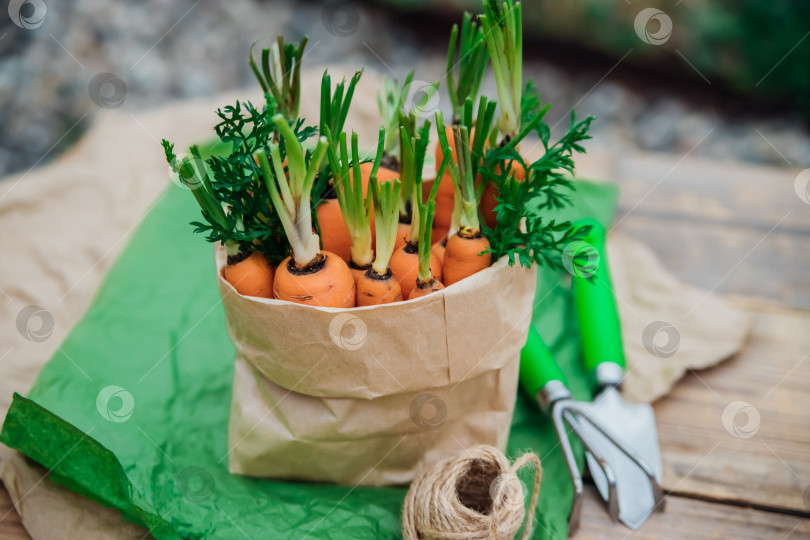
(596,306)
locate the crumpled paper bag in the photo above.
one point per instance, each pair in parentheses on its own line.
(369,395)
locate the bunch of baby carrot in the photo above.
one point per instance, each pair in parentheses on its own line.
(306,217)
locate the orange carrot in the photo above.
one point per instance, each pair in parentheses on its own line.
(378,285)
(424,288)
(463,256)
(334,233)
(250,275)
(438,250)
(326,281)
(310,276)
(374,289)
(403,235)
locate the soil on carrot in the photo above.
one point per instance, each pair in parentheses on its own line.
(466,234)
(390,162)
(329,192)
(474,487)
(406,218)
(411,248)
(316,264)
(426,284)
(372,274)
(354,266)
(236,259)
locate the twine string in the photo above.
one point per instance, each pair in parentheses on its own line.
(474,495)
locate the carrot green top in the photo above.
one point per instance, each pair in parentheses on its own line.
(348,182)
(504,34)
(469,154)
(280,74)
(472,61)
(414,148)
(426,211)
(290,190)
(386,219)
(335,106)
(192,173)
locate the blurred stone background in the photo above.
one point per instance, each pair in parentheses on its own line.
(722,79)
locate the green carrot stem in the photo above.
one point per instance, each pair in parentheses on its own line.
(414,149)
(390,101)
(423,273)
(386,220)
(472,62)
(426,211)
(462,172)
(280,73)
(335,105)
(502,24)
(469,201)
(406,128)
(290,193)
(348,182)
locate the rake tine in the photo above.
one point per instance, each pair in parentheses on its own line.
(570,462)
(658,493)
(607,470)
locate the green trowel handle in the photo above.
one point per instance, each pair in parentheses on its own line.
(537,365)
(596,307)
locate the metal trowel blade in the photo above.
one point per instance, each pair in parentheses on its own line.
(634,427)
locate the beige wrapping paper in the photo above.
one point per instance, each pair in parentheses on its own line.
(369,395)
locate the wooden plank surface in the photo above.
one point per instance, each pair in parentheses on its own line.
(728,227)
(10,525)
(739,432)
(693,520)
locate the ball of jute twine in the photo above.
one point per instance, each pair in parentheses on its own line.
(475,494)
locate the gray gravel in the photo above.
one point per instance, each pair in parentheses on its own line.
(91,54)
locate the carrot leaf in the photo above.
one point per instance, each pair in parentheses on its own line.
(523,232)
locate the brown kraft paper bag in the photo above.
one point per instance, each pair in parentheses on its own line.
(370,395)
